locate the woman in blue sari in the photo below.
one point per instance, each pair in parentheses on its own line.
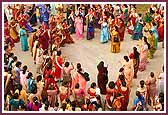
(155,32)
(23,38)
(104,35)
(137,33)
(90,26)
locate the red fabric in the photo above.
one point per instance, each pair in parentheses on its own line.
(90,93)
(121,30)
(22,22)
(161,32)
(125,99)
(133,20)
(58,69)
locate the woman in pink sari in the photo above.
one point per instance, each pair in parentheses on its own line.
(128,70)
(78,78)
(79,27)
(143,54)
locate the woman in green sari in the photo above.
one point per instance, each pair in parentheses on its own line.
(152,42)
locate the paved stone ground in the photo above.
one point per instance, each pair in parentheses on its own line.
(90,53)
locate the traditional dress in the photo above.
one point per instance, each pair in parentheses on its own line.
(151,87)
(155,32)
(115,42)
(102,79)
(71,21)
(161,32)
(136,61)
(13,31)
(23,39)
(44,37)
(137,34)
(78,78)
(58,66)
(124,91)
(128,72)
(68,38)
(90,27)
(152,42)
(110,96)
(143,57)
(79,28)
(104,35)
(79,97)
(121,30)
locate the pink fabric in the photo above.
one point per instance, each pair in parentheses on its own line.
(79,28)
(143,58)
(77,78)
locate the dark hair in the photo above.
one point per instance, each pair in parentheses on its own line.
(11,54)
(136,53)
(151,32)
(18,63)
(111,85)
(58,53)
(152,74)
(6,47)
(78,66)
(126,58)
(15,96)
(49,66)
(73,104)
(138,93)
(124,84)
(77,86)
(14,58)
(163,68)
(121,77)
(142,82)
(153,23)
(66,64)
(64,106)
(39,78)
(93,85)
(45,52)
(30,75)
(24,69)
(140,15)
(121,69)
(100,65)
(116,28)
(67,100)
(35,100)
(56,104)
(146,41)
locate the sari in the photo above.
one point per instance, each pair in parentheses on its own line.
(143,58)
(115,43)
(152,42)
(79,28)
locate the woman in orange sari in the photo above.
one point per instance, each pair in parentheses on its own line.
(13,31)
(115,40)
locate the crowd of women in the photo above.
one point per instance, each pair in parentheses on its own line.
(58,85)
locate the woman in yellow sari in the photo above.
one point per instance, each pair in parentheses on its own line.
(115,40)
(13,31)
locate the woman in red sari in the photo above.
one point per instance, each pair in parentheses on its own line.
(111,92)
(7,35)
(124,91)
(44,36)
(161,31)
(58,62)
(121,28)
